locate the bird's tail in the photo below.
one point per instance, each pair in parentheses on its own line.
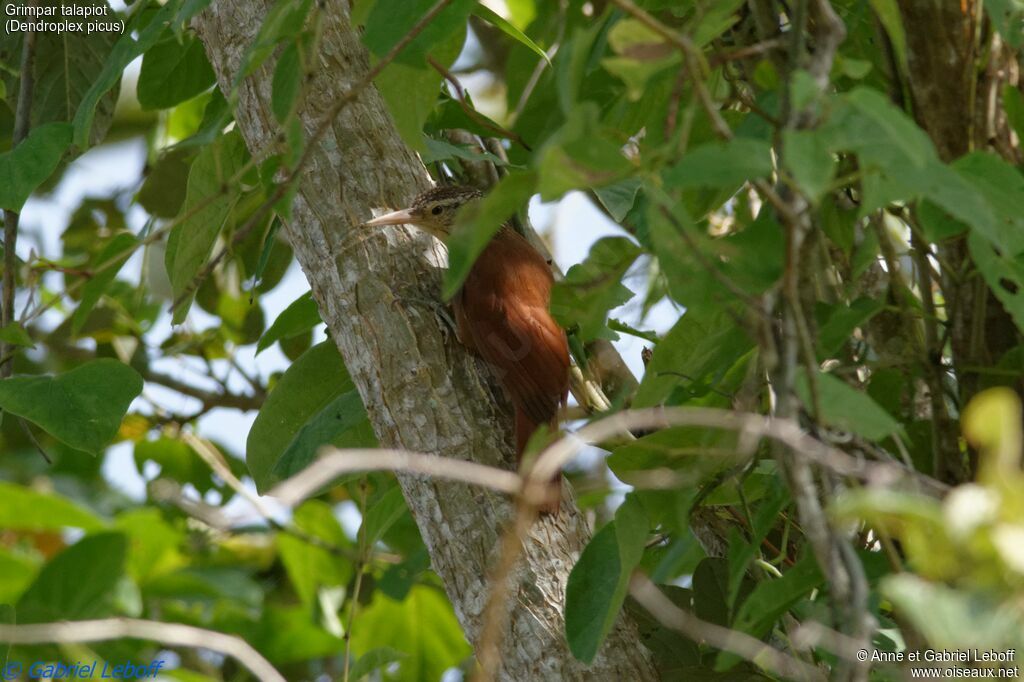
(525,428)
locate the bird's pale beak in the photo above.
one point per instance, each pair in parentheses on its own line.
(403,217)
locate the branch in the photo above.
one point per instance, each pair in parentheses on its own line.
(337,462)
(169,634)
(208,398)
(735,642)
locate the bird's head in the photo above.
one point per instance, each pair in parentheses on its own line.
(432,211)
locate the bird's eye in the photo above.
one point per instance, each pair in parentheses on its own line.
(436,210)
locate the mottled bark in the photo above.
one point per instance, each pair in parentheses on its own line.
(421,389)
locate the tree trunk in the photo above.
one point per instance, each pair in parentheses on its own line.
(422,391)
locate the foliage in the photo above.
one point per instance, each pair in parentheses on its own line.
(824,259)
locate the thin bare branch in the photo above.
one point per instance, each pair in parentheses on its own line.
(169,634)
(732,641)
(335,462)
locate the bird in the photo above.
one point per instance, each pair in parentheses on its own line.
(502,315)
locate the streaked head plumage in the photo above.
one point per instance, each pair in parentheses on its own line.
(433,211)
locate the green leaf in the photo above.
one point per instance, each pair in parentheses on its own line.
(422,627)
(843,320)
(163,190)
(480,220)
(374,659)
(583,154)
(66,65)
(600,579)
(286,82)
(310,566)
(116,253)
(16,572)
(342,423)
(391,20)
(1013,103)
(138,37)
(300,316)
(888,13)
(694,360)
(15,335)
(810,162)
(78,583)
(722,164)
(499,22)
(1008,16)
(383,514)
(26,509)
(1003,274)
(173,72)
(29,164)
(303,396)
(844,408)
(153,542)
(620,197)
(208,202)
(82,408)
(592,288)
(1002,186)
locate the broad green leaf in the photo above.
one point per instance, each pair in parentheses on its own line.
(1002,186)
(391,20)
(78,583)
(374,659)
(177,461)
(141,33)
(22,508)
(173,72)
(693,455)
(1008,17)
(1003,274)
(619,198)
(711,591)
(722,164)
(422,627)
(302,396)
(286,82)
(288,636)
(82,408)
(153,542)
(843,320)
(208,202)
(163,191)
(383,514)
(844,408)
(310,566)
(499,22)
(1013,103)
(715,20)
(16,572)
(888,13)
(594,287)
(29,164)
(583,154)
(694,360)
(809,160)
(600,579)
(16,335)
(440,150)
(480,220)
(300,316)
(66,64)
(342,423)
(115,254)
